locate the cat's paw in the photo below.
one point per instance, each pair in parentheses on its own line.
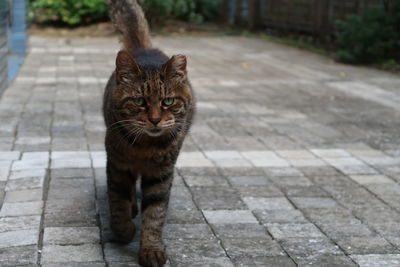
(151,257)
(124,232)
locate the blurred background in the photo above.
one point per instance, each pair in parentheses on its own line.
(352,31)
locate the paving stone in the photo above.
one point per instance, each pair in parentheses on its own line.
(227,158)
(28,174)
(264,261)
(371,179)
(69,253)
(279,216)
(72,173)
(21,209)
(293,230)
(325,261)
(193,159)
(309,246)
(283,182)
(19,238)
(238,231)
(265,159)
(259,191)
(272,203)
(19,223)
(184,216)
(217,198)
(295,154)
(24,195)
(306,162)
(19,256)
(194,248)
(70,159)
(71,235)
(187,231)
(74,264)
(248,180)
(304,191)
(115,252)
(331,153)
(366,245)
(257,248)
(313,202)
(282,172)
(25,184)
(181,199)
(229,216)
(331,215)
(372,260)
(337,231)
(389,231)
(71,219)
(243,171)
(205,180)
(9,155)
(318,171)
(202,261)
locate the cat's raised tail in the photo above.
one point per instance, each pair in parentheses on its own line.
(129,21)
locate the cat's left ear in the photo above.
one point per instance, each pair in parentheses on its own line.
(175,68)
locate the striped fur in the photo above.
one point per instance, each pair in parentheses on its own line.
(132,151)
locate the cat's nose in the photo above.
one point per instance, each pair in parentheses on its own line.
(155,121)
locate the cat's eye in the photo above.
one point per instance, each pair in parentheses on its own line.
(139,101)
(168,101)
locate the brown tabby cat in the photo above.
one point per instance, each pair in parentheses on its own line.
(148,109)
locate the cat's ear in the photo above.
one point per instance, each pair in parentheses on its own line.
(175,68)
(127,68)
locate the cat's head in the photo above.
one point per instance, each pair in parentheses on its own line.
(151,102)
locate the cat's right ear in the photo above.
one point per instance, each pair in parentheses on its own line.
(127,69)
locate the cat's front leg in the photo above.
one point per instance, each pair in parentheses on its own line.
(155,198)
(120,198)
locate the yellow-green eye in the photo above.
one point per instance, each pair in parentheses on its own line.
(168,101)
(139,101)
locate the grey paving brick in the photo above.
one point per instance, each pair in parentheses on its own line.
(71,235)
(366,245)
(371,260)
(331,215)
(19,223)
(194,248)
(313,202)
(309,246)
(229,216)
(237,248)
(19,238)
(24,195)
(272,203)
(184,217)
(325,261)
(69,253)
(202,261)
(21,209)
(259,191)
(264,261)
(238,231)
(217,198)
(19,256)
(279,216)
(188,231)
(25,183)
(293,230)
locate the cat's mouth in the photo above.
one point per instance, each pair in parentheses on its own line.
(154,132)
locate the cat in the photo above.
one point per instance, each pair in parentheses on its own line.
(148,109)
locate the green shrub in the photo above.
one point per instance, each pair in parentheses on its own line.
(371,37)
(158,11)
(71,12)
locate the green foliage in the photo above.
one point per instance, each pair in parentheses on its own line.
(371,37)
(70,12)
(75,12)
(187,10)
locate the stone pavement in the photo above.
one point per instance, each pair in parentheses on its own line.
(293,160)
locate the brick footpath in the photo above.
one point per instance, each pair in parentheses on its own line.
(293,160)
